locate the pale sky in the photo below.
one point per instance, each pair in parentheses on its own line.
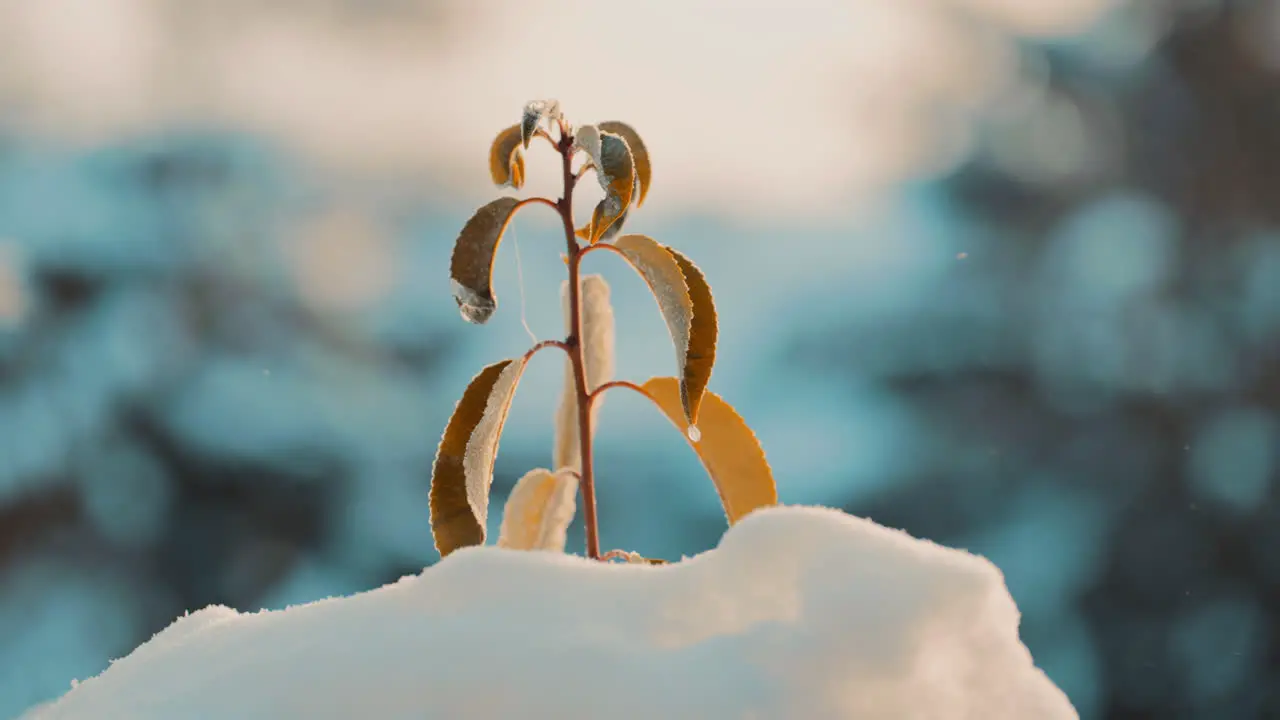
(786,111)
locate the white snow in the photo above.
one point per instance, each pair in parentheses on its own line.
(799,613)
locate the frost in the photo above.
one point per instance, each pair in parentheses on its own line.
(799,613)
(482,448)
(534,113)
(587,139)
(474,307)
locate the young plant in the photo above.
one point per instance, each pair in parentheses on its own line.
(541,505)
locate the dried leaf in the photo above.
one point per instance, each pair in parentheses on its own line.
(617,173)
(506,162)
(471,268)
(597,348)
(685,300)
(727,448)
(616,227)
(587,139)
(644,171)
(533,114)
(538,511)
(700,356)
(463,468)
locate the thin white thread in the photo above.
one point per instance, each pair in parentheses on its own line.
(524,318)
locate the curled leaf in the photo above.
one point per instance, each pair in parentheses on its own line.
(463,468)
(506,162)
(685,301)
(597,351)
(700,355)
(586,138)
(644,171)
(538,511)
(471,269)
(617,174)
(533,114)
(726,446)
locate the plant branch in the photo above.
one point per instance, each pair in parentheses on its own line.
(542,346)
(547,136)
(537,201)
(574,347)
(618,384)
(603,246)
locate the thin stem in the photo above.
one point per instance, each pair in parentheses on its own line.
(574,346)
(543,345)
(602,246)
(586,167)
(546,136)
(617,384)
(537,201)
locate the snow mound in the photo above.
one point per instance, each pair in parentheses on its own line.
(799,613)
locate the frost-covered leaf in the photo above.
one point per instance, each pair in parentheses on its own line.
(538,511)
(463,468)
(506,161)
(471,268)
(616,170)
(616,226)
(587,139)
(597,348)
(685,300)
(644,171)
(700,356)
(534,113)
(727,448)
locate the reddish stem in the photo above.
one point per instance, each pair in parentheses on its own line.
(618,384)
(573,345)
(543,345)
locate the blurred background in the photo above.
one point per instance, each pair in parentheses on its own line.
(1003,273)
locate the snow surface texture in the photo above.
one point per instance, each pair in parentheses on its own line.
(799,613)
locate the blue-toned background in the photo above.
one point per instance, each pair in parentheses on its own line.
(1003,274)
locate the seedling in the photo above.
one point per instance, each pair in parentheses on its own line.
(541,505)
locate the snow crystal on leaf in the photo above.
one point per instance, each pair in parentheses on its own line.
(482,448)
(474,307)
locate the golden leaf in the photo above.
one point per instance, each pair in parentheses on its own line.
(687,307)
(538,511)
(506,162)
(700,356)
(471,268)
(727,448)
(597,352)
(644,171)
(463,468)
(617,173)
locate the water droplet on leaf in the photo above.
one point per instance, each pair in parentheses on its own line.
(694,433)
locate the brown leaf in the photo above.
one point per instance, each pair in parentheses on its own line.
(617,173)
(727,448)
(463,468)
(506,162)
(471,268)
(644,171)
(700,357)
(538,511)
(685,301)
